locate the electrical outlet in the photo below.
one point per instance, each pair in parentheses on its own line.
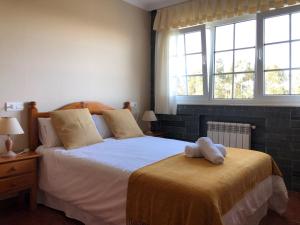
(14,106)
(133,104)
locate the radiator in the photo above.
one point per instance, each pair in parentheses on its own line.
(236,135)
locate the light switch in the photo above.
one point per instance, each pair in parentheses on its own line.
(14,106)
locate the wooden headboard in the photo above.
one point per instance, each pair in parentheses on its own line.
(34,114)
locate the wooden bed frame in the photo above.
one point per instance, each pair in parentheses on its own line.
(34,114)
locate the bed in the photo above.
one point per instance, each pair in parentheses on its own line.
(91,184)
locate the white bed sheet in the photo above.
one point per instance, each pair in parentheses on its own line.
(106,168)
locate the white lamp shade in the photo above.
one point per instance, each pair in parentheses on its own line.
(10,126)
(149,116)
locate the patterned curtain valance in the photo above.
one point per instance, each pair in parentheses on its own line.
(195,12)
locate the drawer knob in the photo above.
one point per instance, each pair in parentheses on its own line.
(12,169)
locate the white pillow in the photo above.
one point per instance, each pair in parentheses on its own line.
(101,126)
(47,133)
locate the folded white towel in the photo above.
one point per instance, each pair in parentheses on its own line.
(222,149)
(193,151)
(210,151)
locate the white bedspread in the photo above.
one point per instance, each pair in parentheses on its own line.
(105,168)
(95,178)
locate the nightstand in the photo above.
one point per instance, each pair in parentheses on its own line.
(19,174)
(155,133)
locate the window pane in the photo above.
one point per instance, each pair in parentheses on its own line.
(195,85)
(296,82)
(223,86)
(194,64)
(245,34)
(277,56)
(177,66)
(223,62)
(296,54)
(176,45)
(277,82)
(193,42)
(296,26)
(224,37)
(244,85)
(277,29)
(244,60)
(181,85)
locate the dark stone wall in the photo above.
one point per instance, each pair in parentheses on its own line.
(277,131)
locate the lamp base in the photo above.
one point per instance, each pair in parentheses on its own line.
(149,132)
(9,154)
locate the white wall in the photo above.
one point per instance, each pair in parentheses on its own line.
(60,51)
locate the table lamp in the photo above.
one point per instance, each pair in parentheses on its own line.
(9,126)
(149,116)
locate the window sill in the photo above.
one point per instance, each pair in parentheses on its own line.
(278,101)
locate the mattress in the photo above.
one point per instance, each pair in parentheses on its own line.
(94,179)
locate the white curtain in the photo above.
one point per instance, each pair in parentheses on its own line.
(165,71)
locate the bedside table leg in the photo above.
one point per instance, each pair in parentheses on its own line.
(33,193)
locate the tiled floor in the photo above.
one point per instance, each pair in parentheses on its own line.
(41,216)
(46,216)
(292,215)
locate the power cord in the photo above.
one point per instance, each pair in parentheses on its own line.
(24,151)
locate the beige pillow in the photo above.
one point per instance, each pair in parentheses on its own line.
(75,128)
(122,124)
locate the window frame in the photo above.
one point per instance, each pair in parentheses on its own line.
(184,98)
(259,97)
(212,27)
(291,99)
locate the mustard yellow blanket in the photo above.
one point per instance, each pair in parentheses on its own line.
(192,191)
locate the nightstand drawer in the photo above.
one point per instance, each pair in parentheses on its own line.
(17,183)
(15,168)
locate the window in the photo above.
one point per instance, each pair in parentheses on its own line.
(282,54)
(254,58)
(234,61)
(187,52)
